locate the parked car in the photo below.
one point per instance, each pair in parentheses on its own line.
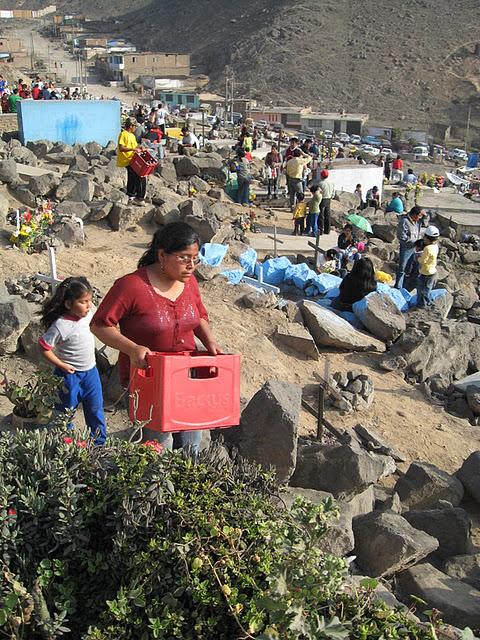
(386,151)
(457,154)
(420,151)
(368,148)
(343,137)
(372,141)
(327,134)
(261,124)
(354,139)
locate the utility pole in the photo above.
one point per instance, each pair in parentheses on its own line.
(467,133)
(229,92)
(32,52)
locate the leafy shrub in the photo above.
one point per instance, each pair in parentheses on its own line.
(121,543)
(37,397)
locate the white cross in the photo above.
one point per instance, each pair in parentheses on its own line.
(52,279)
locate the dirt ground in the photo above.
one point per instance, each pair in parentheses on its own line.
(399,412)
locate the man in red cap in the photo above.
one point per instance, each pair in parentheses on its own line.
(328,192)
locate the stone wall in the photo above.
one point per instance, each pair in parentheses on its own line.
(8,122)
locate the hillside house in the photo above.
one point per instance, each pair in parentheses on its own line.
(350,123)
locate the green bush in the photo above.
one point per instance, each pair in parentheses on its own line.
(121,543)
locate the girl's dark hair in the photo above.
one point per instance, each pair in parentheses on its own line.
(67,291)
(363,272)
(331,254)
(175,236)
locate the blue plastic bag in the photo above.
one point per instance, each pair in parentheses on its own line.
(274,270)
(213,254)
(351,318)
(436,293)
(333,293)
(299,274)
(324,302)
(396,295)
(326,282)
(248,260)
(234,276)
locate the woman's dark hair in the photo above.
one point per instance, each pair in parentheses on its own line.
(173,237)
(67,291)
(331,254)
(348,226)
(241,153)
(363,272)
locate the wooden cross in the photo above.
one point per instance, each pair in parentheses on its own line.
(275,241)
(315,246)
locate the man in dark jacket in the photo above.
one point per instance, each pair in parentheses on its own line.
(408,232)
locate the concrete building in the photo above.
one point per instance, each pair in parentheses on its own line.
(351,123)
(156,64)
(179,99)
(13,50)
(28,14)
(289,117)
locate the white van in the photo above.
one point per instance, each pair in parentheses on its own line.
(420,152)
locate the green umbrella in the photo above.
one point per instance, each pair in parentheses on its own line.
(360,222)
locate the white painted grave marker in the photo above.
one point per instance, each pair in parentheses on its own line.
(52,279)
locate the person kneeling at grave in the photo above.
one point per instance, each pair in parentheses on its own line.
(356,285)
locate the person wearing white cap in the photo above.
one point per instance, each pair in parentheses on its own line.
(427,262)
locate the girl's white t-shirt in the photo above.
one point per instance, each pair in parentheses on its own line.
(72,341)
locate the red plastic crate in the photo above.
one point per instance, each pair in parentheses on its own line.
(187,391)
(143,163)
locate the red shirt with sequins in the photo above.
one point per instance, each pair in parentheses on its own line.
(148,318)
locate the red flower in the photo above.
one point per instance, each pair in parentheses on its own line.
(27,216)
(68,440)
(154,445)
(12,512)
(81,443)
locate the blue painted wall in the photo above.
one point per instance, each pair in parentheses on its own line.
(69,121)
(179,99)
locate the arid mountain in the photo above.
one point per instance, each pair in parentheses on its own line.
(410,62)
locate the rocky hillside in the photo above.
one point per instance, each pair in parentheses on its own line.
(403,63)
(389,60)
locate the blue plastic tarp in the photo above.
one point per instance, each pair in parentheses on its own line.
(398,296)
(325,282)
(234,276)
(248,260)
(333,293)
(350,318)
(299,274)
(324,302)
(213,254)
(274,270)
(436,293)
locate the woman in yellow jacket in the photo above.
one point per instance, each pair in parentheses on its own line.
(127,144)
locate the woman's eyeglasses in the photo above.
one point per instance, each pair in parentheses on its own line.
(186,259)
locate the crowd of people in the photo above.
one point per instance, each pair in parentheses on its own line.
(36,89)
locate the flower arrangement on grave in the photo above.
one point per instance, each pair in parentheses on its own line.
(32,226)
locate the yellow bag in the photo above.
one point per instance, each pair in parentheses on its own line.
(381,276)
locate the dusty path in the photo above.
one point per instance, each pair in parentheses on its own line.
(60,61)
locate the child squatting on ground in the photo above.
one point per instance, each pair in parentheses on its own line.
(69,346)
(299,215)
(427,263)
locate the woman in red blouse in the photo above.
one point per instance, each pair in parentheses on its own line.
(157,308)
